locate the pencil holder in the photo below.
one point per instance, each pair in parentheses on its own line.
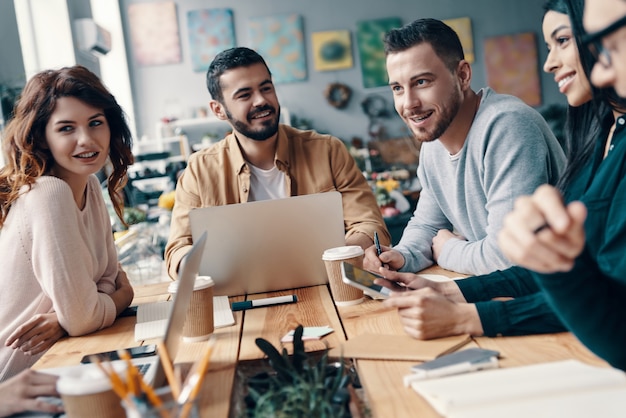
(171,409)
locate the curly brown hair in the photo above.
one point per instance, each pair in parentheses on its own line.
(24,142)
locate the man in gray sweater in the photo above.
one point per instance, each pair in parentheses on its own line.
(479,152)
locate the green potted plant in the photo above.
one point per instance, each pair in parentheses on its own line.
(300,385)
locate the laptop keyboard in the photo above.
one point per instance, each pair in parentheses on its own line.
(143,368)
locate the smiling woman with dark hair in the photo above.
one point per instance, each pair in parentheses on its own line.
(576,247)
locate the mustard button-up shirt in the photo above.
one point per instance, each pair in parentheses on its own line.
(312,163)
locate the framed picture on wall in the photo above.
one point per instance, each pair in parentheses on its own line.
(369,37)
(332,50)
(463,27)
(154,33)
(511,63)
(280,41)
(210,32)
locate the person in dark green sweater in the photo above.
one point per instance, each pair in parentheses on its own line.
(579,257)
(578,248)
(511,302)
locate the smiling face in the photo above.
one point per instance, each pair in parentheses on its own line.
(250,103)
(598,15)
(78,138)
(426,94)
(563,60)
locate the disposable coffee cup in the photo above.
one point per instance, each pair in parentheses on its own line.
(343,294)
(199,323)
(87,392)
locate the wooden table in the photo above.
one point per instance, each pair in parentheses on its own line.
(382,379)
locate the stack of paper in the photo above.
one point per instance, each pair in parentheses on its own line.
(560,389)
(152,317)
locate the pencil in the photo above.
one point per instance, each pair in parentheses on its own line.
(195,382)
(131,372)
(116,383)
(169,370)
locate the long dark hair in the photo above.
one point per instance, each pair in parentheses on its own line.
(585,123)
(24,142)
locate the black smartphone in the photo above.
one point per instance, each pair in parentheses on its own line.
(130,311)
(135,352)
(363,280)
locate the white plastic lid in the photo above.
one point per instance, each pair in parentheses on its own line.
(342,253)
(202,282)
(87,379)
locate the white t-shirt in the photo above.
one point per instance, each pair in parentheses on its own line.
(266,184)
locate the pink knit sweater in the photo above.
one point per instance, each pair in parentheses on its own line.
(55,257)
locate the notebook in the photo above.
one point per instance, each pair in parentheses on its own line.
(269,245)
(152,317)
(567,388)
(151,367)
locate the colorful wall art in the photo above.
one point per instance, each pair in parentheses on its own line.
(280,40)
(512,66)
(210,32)
(332,50)
(369,37)
(154,33)
(463,27)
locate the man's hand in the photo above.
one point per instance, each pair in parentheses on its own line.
(19,393)
(37,334)
(392,259)
(440,239)
(542,234)
(426,314)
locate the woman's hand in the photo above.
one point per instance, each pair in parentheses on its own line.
(410,281)
(37,334)
(20,393)
(542,234)
(124,293)
(427,314)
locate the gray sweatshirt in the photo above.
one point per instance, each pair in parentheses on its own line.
(509,151)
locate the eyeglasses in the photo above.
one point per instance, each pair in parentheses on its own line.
(594,42)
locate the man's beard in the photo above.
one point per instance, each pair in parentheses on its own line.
(268,130)
(449,112)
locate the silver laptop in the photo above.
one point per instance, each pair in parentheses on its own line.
(269,245)
(150,366)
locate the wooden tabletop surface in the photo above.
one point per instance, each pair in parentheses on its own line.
(382,379)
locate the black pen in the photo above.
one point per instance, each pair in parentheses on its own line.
(379,250)
(541,228)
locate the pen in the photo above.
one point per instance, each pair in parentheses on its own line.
(249,304)
(379,250)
